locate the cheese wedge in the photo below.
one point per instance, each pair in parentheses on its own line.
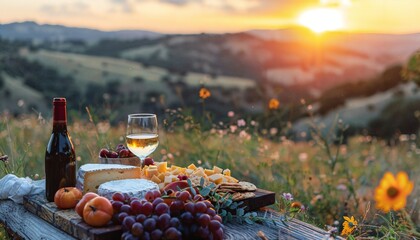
(90,176)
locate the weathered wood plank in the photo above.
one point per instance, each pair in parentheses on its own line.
(25,224)
(29,226)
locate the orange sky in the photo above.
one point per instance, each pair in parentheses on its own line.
(192,16)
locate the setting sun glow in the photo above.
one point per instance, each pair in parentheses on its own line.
(322,19)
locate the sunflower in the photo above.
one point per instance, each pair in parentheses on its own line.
(349,225)
(273,104)
(204,93)
(392,191)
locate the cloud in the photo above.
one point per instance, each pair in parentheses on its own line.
(71,9)
(224,5)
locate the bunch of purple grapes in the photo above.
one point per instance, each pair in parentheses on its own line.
(184,217)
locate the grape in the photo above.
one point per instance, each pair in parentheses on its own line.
(156,234)
(204,220)
(147,209)
(172,234)
(126,197)
(157,194)
(214,225)
(149,196)
(203,232)
(137,229)
(164,221)
(162,208)
(208,203)
(200,207)
(146,236)
(211,212)
(149,161)
(118,197)
(136,206)
(103,153)
(157,201)
(128,236)
(128,222)
(140,218)
(187,218)
(218,234)
(122,216)
(126,208)
(131,154)
(176,207)
(177,194)
(156,217)
(134,198)
(123,153)
(198,197)
(189,207)
(112,154)
(184,196)
(116,205)
(217,218)
(174,222)
(149,224)
(120,147)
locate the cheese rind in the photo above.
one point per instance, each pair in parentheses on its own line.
(133,187)
(90,176)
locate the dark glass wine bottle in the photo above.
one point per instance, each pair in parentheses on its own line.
(60,158)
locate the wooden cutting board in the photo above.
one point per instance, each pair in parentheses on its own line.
(71,223)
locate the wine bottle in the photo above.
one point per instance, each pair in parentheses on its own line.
(60,160)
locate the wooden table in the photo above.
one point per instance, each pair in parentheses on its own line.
(26,225)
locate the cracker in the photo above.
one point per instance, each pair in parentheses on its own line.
(248,186)
(242,195)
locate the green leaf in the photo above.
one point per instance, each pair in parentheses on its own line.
(240,212)
(202,182)
(249,221)
(205,191)
(189,182)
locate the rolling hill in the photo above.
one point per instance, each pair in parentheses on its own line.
(354,76)
(37,33)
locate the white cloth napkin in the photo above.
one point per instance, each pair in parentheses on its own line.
(14,188)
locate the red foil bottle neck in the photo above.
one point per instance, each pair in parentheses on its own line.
(59,111)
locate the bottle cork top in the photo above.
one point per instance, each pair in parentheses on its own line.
(59,100)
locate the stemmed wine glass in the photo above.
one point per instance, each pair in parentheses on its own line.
(142,134)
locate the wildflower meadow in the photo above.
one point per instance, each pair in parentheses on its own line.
(366,188)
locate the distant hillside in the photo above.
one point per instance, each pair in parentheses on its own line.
(46,32)
(382,106)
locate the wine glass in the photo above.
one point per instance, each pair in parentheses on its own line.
(142,134)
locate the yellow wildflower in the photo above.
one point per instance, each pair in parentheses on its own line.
(392,191)
(204,93)
(348,225)
(273,104)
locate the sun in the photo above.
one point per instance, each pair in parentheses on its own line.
(320,20)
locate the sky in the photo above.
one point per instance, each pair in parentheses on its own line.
(215,16)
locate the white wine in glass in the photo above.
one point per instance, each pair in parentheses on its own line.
(142,134)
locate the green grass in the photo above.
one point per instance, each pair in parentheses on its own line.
(331,181)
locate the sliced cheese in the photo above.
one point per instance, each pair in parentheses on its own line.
(133,187)
(192,166)
(90,176)
(162,167)
(216,178)
(216,169)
